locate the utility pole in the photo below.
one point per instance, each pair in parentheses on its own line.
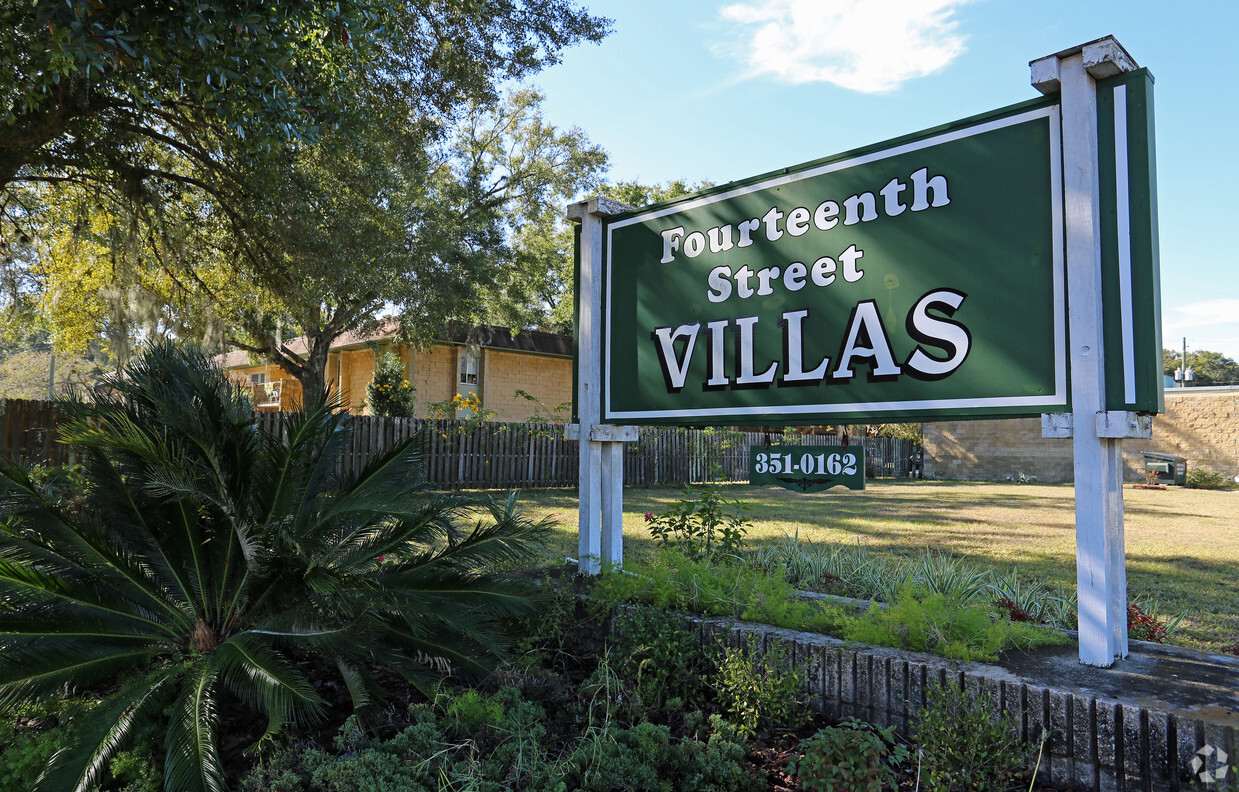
(1185,369)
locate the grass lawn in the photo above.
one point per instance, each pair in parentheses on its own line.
(1182,545)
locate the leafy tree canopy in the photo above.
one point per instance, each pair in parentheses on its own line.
(1209,368)
(210,181)
(636,194)
(87,82)
(539,292)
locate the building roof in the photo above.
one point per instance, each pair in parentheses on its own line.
(487,336)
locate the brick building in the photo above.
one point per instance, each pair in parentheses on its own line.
(492,362)
(1201,424)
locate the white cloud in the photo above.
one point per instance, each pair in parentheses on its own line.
(1207,324)
(1203,313)
(869,46)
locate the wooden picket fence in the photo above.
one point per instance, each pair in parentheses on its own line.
(28,433)
(491,455)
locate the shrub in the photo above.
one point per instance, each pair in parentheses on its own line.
(1145,623)
(389,394)
(964,747)
(1199,478)
(932,623)
(208,554)
(438,752)
(761,690)
(661,656)
(26,752)
(702,524)
(646,758)
(1031,601)
(852,757)
(737,592)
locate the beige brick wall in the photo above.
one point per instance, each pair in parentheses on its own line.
(549,379)
(357,370)
(433,373)
(1199,424)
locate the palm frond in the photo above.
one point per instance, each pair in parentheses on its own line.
(78,765)
(191,758)
(263,678)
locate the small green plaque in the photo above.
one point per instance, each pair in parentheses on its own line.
(808,468)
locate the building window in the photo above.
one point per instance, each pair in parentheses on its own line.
(468,367)
(258,379)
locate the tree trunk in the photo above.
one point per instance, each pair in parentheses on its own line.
(313,374)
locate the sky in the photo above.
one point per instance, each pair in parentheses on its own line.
(705,90)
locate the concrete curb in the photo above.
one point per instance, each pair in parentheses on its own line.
(1133,727)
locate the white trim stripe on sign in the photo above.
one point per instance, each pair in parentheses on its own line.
(1122,194)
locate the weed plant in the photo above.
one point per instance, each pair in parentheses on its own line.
(964,747)
(703,524)
(761,691)
(851,757)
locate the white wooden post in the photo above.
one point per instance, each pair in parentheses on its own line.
(1101,569)
(601,471)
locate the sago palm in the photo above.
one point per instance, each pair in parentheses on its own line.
(206,556)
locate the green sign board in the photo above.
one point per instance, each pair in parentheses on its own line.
(917,279)
(808,468)
(1130,281)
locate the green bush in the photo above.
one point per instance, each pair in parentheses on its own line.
(26,753)
(702,524)
(678,582)
(964,748)
(440,750)
(1199,478)
(661,656)
(852,757)
(761,691)
(389,393)
(646,758)
(208,555)
(932,623)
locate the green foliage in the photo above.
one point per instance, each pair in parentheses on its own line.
(647,758)
(1025,600)
(1145,622)
(932,623)
(661,655)
(505,745)
(856,572)
(543,414)
(389,393)
(208,555)
(1200,478)
(852,757)
(135,771)
(1208,368)
(702,524)
(26,753)
(964,747)
(636,195)
(761,690)
(678,582)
